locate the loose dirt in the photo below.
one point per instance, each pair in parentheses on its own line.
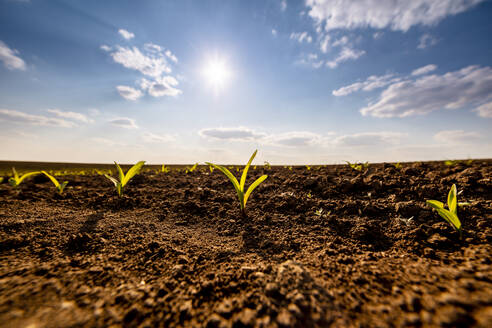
(328,247)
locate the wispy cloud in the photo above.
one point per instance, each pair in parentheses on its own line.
(369,139)
(344,55)
(456,137)
(71,115)
(40,120)
(125,34)
(129,93)
(371,83)
(124,122)
(424,70)
(235,134)
(10,58)
(468,87)
(484,110)
(157,138)
(283,5)
(312,60)
(301,37)
(427,41)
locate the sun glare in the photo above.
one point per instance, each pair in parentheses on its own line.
(217,74)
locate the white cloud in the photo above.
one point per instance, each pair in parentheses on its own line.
(171,56)
(294,139)
(470,86)
(369,139)
(371,83)
(124,122)
(155,138)
(398,15)
(283,5)
(164,86)
(10,59)
(426,41)
(424,70)
(456,137)
(234,134)
(150,64)
(94,112)
(71,115)
(377,35)
(301,37)
(340,42)
(344,55)
(325,43)
(151,47)
(24,118)
(484,110)
(105,47)
(129,93)
(274,32)
(125,34)
(311,60)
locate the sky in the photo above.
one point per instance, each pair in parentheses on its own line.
(305,81)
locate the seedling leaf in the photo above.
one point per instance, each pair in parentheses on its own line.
(253,186)
(246,168)
(135,169)
(452,202)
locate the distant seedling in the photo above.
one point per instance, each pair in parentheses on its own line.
(15,181)
(397,166)
(450,214)
(124,178)
(164,169)
(267,166)
(191,169)
(239,186)
(59,187)
(308,167)
(358,166)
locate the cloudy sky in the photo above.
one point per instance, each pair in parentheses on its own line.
(306,81)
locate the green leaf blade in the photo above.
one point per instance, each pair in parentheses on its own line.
(245,171)
(435,204)
(452,200)
(253,186)
(134,170)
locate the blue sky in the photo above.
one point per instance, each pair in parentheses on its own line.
(314,81)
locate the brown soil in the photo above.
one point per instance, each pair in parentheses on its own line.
(174,251)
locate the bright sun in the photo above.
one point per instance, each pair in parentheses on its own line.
(217,74)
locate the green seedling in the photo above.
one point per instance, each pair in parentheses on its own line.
(290,168)
(308,167)
(124,178)
(450,214)
(191,169)
(358,166)
(239,186)
(450,162)
(1,179)
(397,166)
(309,195)
(15,181)
(267,165)
(59,187)
(321,212)
(211,168)
(164,169)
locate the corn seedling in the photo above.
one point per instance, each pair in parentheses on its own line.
(309,195)
(59,187)
(164,169)
(239,186)
(321,212)
(290,168)
(16,180)
(1,179)
(191,169)
(308,167)
(397,166)
(267,166)
(450,214)
(211,168)
(124,178)
(358,166)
